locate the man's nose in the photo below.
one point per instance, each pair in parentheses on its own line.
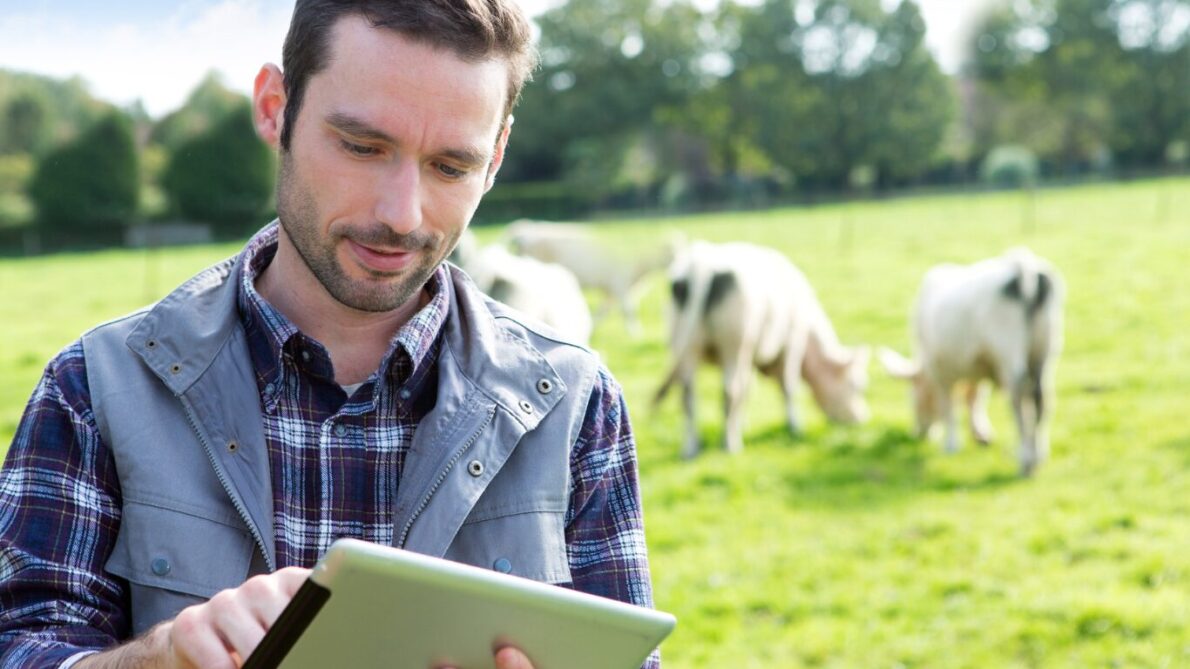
(398,202)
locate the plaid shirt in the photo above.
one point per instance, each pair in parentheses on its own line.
(336,462)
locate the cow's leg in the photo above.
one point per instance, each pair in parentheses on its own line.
(605,307)
(692,445)
(977,412)
(943,395)
(791,377)
(1034,442)
(1042,405)
(628,309)
(736,376)
(1021,400)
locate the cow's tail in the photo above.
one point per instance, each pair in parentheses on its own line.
(1031,284)
(689,294)
(1034,285)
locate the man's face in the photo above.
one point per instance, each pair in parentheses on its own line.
(392,149)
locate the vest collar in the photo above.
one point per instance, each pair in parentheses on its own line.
(181,335)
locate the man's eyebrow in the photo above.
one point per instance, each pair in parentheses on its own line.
(357,128)
(470,157)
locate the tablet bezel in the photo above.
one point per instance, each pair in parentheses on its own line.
(366,571)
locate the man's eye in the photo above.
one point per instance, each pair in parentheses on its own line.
(451,172)
(357,149)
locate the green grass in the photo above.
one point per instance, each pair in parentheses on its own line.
(863,547)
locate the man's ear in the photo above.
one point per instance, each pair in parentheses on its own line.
(268,104)
(498,155)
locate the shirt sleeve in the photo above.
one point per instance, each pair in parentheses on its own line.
(59,515)
(605,535)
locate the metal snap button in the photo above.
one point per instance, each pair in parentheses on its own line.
(545,386)
(175,368)
(232,446)
(160,566)
(525,406)
(475,468)
(152,343)
(502,565)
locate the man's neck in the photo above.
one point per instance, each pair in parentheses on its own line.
(356,340)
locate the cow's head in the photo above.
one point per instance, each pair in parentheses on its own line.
(925,407)
(838,381)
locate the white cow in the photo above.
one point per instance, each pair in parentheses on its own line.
(543,291)
(739,306)
(616,274)
(997,321)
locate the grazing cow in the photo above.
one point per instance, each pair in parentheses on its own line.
(543,291)
(997,321)
(617,275)
(739,306)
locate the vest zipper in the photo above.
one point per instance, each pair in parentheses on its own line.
(235,499)
(442,476)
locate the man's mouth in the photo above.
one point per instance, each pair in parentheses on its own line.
(380,259)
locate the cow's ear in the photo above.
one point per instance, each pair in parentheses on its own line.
(897,365)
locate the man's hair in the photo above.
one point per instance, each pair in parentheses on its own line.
(474,30)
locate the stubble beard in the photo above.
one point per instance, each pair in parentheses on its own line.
(298,212)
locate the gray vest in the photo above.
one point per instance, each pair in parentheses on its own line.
(173,390)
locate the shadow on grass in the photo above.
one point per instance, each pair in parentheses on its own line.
(1180,446)
(878,466)
(836,467)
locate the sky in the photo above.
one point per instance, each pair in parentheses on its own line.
(157,51)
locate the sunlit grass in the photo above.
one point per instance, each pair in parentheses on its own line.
(863,547)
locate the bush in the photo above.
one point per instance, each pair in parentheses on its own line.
(91,183)
(1009,166)
(547,200)
(223,176)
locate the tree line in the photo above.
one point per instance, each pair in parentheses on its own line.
(81,171)
(646,104)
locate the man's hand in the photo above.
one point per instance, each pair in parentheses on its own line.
(508,657)
(217,634)
(512,658)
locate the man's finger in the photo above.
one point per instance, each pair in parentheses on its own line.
(512,658)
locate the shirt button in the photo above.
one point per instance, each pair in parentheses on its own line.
(305,356)
(526,407)
(502,565)
(545,386)
(475,468)
(160,566)
(270,389)
(340,430)
(405,394)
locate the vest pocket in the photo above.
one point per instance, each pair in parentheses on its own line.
(529,544)
(173,559)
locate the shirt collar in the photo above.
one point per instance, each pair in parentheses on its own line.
(271,335)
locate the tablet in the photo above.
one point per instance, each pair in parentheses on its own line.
(371,606)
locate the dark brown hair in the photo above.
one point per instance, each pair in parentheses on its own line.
(474,30)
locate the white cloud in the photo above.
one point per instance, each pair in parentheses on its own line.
(157,61)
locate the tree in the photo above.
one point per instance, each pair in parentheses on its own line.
(91,182)
(1075,80)
(223,176)
(607,67)
(26,125)
(836,86)
(206,104)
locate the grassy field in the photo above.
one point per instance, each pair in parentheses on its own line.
(863,547)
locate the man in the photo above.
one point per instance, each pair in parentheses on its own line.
(178,471)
